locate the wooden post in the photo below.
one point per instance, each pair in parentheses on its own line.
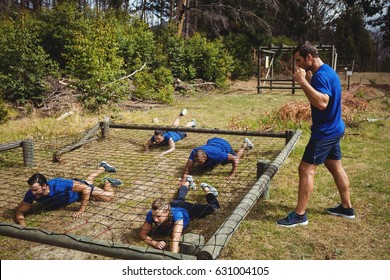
(88,137)
(105,127)
(289,135)
(292,75)
(190,243)
(28,153)
(259,71)
(262,166)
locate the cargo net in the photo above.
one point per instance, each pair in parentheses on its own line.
(145,177)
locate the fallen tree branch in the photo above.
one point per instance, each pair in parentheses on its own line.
(125,77)
(203,84)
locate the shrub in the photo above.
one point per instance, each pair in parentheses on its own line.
(3,112)
(156,85)
(172,50)
(24,63)
(93,60)
(239,46)
(195,57)
(209,58)
(135,43)
(59,26)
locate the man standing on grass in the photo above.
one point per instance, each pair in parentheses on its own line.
(322,87)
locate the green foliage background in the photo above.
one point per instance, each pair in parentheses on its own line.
(94,50)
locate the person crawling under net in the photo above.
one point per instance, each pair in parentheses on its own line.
(172,218)
(59,192)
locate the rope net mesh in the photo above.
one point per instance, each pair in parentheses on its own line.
(145,177)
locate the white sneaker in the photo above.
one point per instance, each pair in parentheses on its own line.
(212,189)
(249,144)
(183,112)
(191,181)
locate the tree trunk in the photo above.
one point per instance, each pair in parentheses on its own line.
(181,16)
(171,9)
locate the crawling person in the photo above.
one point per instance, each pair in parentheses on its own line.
(169,138)
(172,218)
(59,192)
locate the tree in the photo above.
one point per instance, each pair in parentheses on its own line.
(354,40)
(24,63)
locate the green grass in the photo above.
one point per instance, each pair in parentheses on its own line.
(366,161)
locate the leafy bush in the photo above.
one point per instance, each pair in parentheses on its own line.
(241,50)
(172,50)
(95,50)
(135,42)
(196,57)
(59,26)
(93,60)
(155,85)
(3,112)
(209,58)
(24,63)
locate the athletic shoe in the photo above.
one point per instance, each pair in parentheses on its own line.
(191,181)
(211,189)
(183,112)
(249,143)
(339,210)
(194,121)
(107,167)
(293,220)
(114,182)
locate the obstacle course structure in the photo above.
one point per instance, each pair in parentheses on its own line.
(267,56)
(111,228)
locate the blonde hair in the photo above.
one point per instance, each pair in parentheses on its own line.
(160,204)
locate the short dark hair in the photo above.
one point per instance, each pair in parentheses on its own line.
(306,48)
(37,178)
(158,132)
(200,152)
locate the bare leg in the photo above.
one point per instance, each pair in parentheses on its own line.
(306,185)
(341,179)
(176,122)
(105,194)
(190,124)
(93,176)
(241,150)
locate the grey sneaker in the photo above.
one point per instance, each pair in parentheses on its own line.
(249,144)
(107,167)
(194,123)
(212,189)
(339,210)
(183,112)
(114,182)
(191,181)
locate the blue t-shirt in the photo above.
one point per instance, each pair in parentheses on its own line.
(178,214)
(217,151)
(327,123)
(175,135)
(61,194)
